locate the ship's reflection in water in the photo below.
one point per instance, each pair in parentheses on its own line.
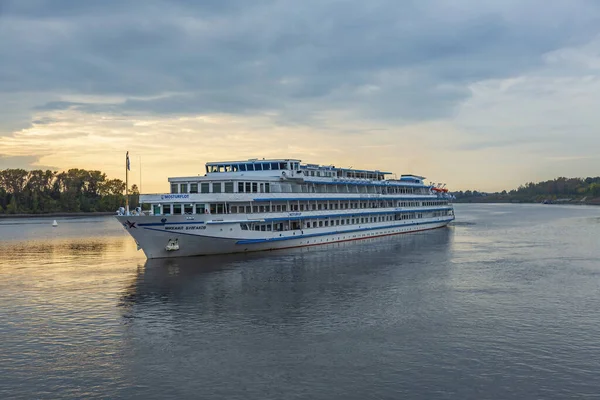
(287,279)
(241,320)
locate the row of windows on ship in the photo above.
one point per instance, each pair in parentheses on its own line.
(323,223)
(266,187)
(246,208)
(279,166)
(253,166)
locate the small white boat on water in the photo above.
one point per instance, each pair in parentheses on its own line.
(54,224)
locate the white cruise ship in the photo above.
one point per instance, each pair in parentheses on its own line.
(254,205)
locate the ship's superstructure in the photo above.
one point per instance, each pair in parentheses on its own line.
(240,206)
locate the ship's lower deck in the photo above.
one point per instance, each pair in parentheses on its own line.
(160,239)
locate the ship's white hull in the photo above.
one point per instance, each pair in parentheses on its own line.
(194,238)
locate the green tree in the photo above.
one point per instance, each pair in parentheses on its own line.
(12,206)
(13,181)
(594,189)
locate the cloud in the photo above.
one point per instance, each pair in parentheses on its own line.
(22,162)
(265,56)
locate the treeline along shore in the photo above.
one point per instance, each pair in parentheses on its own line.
(72,192)
(559,190)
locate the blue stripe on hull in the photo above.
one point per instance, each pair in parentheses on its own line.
(170,223)
(171,232)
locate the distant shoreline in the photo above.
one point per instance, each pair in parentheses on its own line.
(497,201)
(60,214)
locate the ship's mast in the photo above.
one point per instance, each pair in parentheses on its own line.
(127,183)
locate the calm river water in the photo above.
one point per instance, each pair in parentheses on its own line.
(504,304)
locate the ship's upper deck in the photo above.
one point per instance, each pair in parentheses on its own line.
(290,176)
(252,165)
(277,168)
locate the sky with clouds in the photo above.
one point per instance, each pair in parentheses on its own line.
(480,95)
